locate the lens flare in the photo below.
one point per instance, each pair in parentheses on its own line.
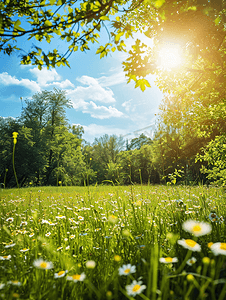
(170,56)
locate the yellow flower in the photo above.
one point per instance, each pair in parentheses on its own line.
(190,277)
(15,134)
(117,258)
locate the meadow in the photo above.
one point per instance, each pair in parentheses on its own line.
(113,242)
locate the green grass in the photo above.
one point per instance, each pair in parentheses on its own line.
(112,226)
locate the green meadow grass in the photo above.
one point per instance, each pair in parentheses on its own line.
(108,242)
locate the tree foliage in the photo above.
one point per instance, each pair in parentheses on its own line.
(77,23)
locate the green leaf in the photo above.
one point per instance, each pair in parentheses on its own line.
(118,36)
(104,18)
(48,23)
(17,26)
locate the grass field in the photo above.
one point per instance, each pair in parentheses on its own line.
(109,242)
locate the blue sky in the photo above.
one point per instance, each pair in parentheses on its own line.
(103,103)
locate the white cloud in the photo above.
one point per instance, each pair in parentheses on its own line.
(116,78)
(129,107)
(45,78)
(7,79)
(102,112)
(94,91)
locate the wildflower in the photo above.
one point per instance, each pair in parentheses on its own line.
(2,285)
(168,260)
(24,223)
(15,282)
(127,269)
(213,217)
(60,274)
(31,235)
(6,257)
(48,234)
(191,261)
(24,250)
(206,260)
(117,258)
(59,248)
(67,248)
(80,218)
(197,228)
(210,244)
(10,220)
(60,217)
(218,248)
(135,288)
(77,277)
(113,219)
(72,236)
(15,134)
(189,244)
(10,245)
(90,264)
(190,277)
(41,264)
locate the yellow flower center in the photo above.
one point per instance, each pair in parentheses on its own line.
(223,246)
(61,273)
(168,259)
(190,243)
(197,228)
(43,265)
(127,271)
(5,257)
(136,288)
(76,277)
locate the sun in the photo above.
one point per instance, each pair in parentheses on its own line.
(170,56)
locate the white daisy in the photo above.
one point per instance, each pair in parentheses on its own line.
(24,250)
(127,269)
(218,248)
(5,257)
(15,282)
(189,244)
(60,274)
(168,260)
(76,277)
(41,264)
(135,288)
(191,261)
(10,245)
(9,220)
(197,228)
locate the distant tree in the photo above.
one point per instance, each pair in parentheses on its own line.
(104,155)
(138,142)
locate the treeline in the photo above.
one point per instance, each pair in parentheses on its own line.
(49,151)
